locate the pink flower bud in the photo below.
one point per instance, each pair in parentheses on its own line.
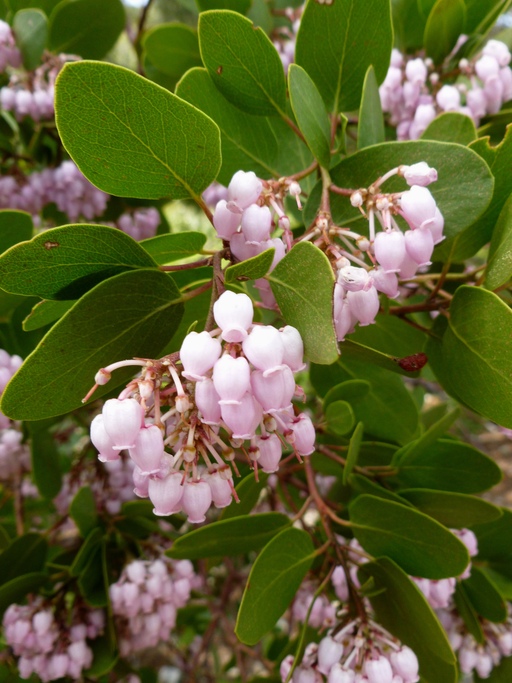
(231,379)
(243,250)
(148,450)
(417,206)
(196,500)
(498,50)
(378,670)
(389,250)
(244,189)
(424,115)
(469,539)
(102,441)
(166,493)
(225,222)
(338,674)
(220,488)
(264,348)
(506,80)
(364,305)
(419,245)
(448,98)
(416,71)
(256,223)
(243,418)
(233,313)
(329,652)
(293,346)
(42,622)
(270,452)
(475,99)
(419,174)
(275,391)
(141,483)
(486,67)
(136,572)
(384,282)
(122,420)
(405,664)
(493,91)
(207,401)
(352,278)
(303,434)
(199,353)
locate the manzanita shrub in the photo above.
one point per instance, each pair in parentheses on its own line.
(237,451)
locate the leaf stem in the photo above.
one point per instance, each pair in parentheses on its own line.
(187,266)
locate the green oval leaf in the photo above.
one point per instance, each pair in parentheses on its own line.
(340,417)
(418,544)
(303,283)
(451,127)
(402,609)
(242,62)
(88,547)
(309,111)
(66,262)
(251,269)
(83,510)
(353,451)
(15,226)
(347,391)
(172,48)
(484,596)
(370,130)
(234,536)
(338,41)
(45,462)
(174,247)
(499,264)
(158,146)
(449,466)
(477,352)
(104,326)
(468,613)
(25,554)
(46,312)
(88,28)
(30,27)
(445,23)
(274,579)
(454,510)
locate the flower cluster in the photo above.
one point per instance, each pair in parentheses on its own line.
(474,656)
(9,53)
(245,220)
(323,612)
(139,224)
(413,94)
(64,186)
(394,254)
(239,378)
(145,600)
(48,643)
(285,38)
(356,650)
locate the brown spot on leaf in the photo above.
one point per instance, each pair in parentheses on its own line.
(412,363)
(219,70)
(51,245)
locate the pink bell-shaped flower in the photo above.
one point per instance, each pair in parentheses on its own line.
(344,320)
(165,493)
(207,401)
(486,67)
(408,268)
(448,98)
(233,313)
(293,346)
(420,245)
(384,282)
(378,670)
(416,70)
(220,486)
(436,226)
(243,418)
(475,100)
(493,91)
(243,250)
(244,189)
(264,348)
(148,449)
(338,674)
(417,206)
(271,450)
(364,305)
(225,222)
(196,500)
(102,441)
(419,174)
(231,378)
(389,250)
(141,483)
(122,420)
(303,434)
(256,223)
(498,50)
(329,652)
(275,391)
(405,664)
(199,352)
(352,278)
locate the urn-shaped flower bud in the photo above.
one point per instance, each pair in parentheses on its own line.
(389,250)
(233,313)
(329,652)
(102,441)
(244,189)
(273,391)
(475,100)
(416,71)
(207,401)
(419,174)
(199,352)
(264,348)
(122,420)
(140,483)
(303,434)
(220,488)
(448,98)
(364,305)
(352,278)
(270,452)
(344,320)
(419,245)
(493,91)
(486,67)
(435,226)
(405,664)
(196,500)
(225,222)
(378,670)
(384,282)
(165,493)
(148,449)
(498,50)
(244,417)
(417,206)
(243,250)
(338,674)
(293,346)
(231,378)
(256,223)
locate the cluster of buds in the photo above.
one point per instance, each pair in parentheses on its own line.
(473,656)
(33,93)
(140,223)
(413,94)
(145,600)
(323,612)
(64,186)
(9,53)
(249,215)
(393,254)
(8,366)
(239,379)
(356,651)
(49,643)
